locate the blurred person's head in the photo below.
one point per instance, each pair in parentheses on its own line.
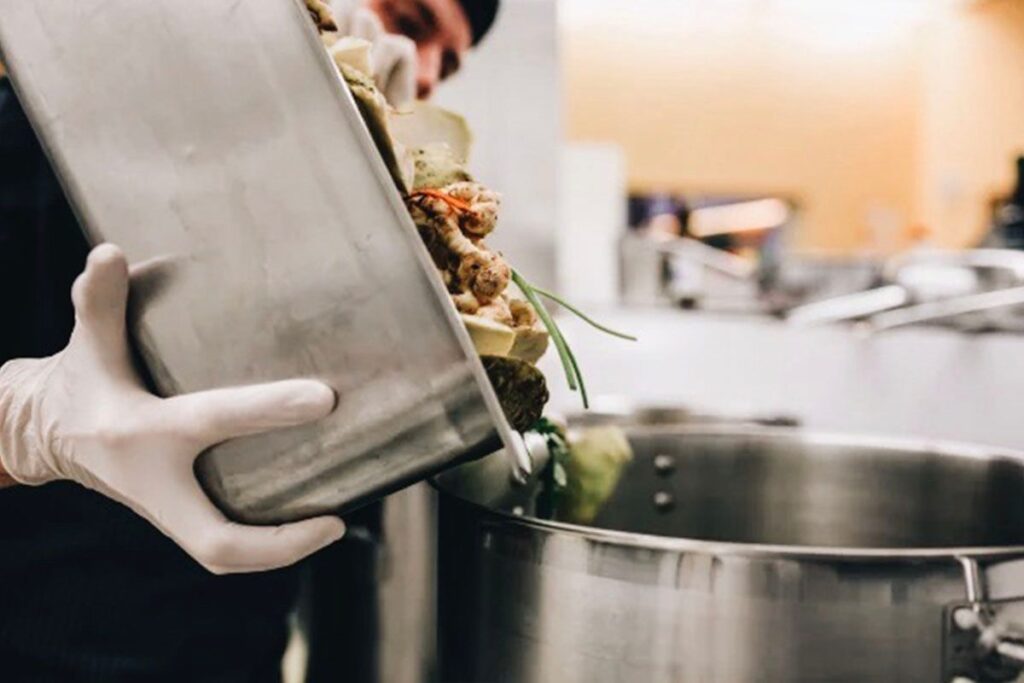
(443,30)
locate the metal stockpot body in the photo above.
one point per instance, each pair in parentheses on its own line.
(770,556)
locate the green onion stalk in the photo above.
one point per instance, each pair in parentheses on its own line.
(570,365)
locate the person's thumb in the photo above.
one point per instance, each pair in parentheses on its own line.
(100,296)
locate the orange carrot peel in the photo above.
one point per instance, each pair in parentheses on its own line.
(452,202)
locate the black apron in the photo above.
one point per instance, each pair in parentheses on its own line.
(88,590)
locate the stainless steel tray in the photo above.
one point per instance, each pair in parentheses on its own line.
(218,138)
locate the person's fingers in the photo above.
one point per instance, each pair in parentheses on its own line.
(224,547)
(221,414)
(174,502)
(229,548)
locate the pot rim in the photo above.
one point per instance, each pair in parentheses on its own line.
(669,544)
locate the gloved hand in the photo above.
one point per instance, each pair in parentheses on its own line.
(392,56)
(84,415)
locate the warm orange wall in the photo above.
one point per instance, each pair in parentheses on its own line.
(807,105)
(973,120)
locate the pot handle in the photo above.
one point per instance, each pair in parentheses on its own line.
(1001,580)
(984,636)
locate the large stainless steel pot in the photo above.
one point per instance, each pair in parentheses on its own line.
(739,555)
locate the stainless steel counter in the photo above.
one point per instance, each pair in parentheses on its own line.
(925,382)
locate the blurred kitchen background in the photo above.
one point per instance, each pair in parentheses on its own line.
(809,211)
(795,204)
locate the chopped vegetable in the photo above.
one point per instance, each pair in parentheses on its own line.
(426,149)
(596,458)
(321,14)
(489,338)
(451,201)
(530,344)
(425,125)
(583,471)
(436,166)
(553,478)
(521,389)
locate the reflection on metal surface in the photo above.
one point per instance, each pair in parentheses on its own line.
(849,306)
(613,410)
(242,160)
(786,557)
(368,605)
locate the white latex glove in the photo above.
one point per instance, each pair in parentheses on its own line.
(84,415)
(392,56)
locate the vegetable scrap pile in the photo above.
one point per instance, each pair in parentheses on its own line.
(426,150)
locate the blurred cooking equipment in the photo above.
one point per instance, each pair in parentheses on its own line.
(804,278)
(743,554)
(702,251)
(1008,221)
(1001,301)
(284,252)
(975,290)
(659,268)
